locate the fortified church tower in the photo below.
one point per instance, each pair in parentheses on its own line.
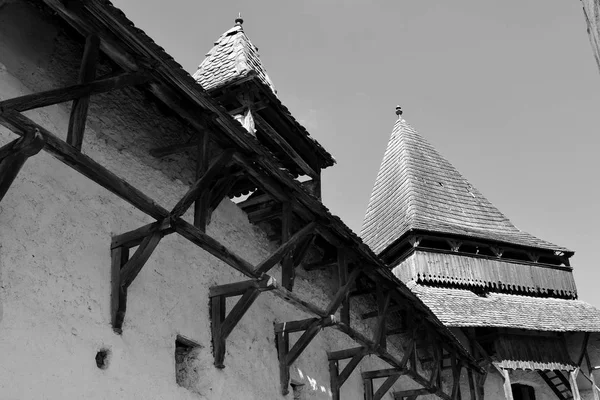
(508,294)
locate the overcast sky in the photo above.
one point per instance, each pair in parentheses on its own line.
(508,91)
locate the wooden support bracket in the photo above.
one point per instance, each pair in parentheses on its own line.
(222,325)
(285,249)
(14,154)
(124,270)
(337,379)
(202,184)
(287,356)
(391,375)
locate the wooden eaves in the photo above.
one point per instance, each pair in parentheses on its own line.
(143,61)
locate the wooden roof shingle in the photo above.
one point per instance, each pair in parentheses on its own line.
(418,189)
(463,308)
(232,57)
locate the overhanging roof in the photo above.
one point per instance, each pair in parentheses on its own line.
(463,308)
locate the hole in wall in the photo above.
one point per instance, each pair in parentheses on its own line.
(102,358)
(183,347)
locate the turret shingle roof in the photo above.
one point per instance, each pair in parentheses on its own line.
(232,57)
(418,189)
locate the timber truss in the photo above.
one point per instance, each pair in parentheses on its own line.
(306,225)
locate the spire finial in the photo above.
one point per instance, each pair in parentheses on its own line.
(239,21)
(399,112)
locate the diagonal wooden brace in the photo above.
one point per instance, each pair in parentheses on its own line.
(337,379)
(87,73)
(285,249)
(124,272)
(222,325)
(202,184)
(13,157)
(391,375)
(287,356)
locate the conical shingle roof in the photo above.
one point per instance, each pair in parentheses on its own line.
(418,189)
(232,57)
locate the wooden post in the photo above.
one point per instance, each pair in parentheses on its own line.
(283,347)
(573,384)
(507,389)
(120,255)
(201,204)
(87,73)
(287,265)
(592,380)
(342,280)
(127,270)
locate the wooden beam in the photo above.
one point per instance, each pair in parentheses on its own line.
(223,325)
(507,389)
(471,384)
(301,250)
(217,307)
(239,288)
(201,204)
(221,189)
(288,273)
(349,368)
(135,264)
(337,379)
(286,355)
(382,373)
(87,73)
(69,155)
(386,386)
(13,156)
(212,246)
(123,273)
(135,237)
(342,292)
(383,303)
(279,141)
(341,281)
(344,354)
(118,298)
(584,344)
(305,339)
(456,369)
(202,184)
(285,248)
(283,347)
(68,93)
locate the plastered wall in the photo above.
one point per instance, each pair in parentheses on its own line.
(55,232)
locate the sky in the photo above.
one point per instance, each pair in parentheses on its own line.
(508,91)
